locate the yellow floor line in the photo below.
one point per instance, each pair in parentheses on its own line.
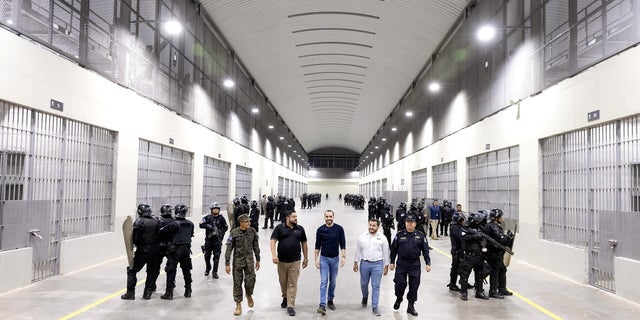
(107,298)
(519,296)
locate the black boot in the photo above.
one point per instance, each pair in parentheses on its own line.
(411,309)
(453,287)
(187,292)
(215,268)
(396,305)
(481,295)
(464,296)
(168,295)
(129,295)
(147,294)
(495,295)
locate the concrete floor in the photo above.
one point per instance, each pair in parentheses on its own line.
(94,293)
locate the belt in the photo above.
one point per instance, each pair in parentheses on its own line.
(183,245)
(370,261)
(474,254)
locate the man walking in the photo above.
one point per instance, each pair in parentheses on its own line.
(243,243)
(372,253)
(330,249)
(291,238)
(407,246)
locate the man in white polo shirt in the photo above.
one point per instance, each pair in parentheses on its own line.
(372,253)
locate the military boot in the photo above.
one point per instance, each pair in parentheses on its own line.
(411,309)
(168,295)
(147,294)
(187,292)
(453,287)
(250,301)
(396,305)
(129,295)
(464,296)
(238,310)
(495,295)
(215,269)
(481,295)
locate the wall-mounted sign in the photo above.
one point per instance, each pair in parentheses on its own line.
(593,115)
(57,105)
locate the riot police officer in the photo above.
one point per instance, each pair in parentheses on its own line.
(268,216)
(401,215)
(386,217)
(166,218)
(254,215)
(408,245)
(456,249)
(145,233)
(473,256)
(495,256)
(215,227)
(179,251)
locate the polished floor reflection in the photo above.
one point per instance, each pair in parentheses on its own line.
(94,293)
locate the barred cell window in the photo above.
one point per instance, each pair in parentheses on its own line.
(243,181)
(216,183)
(445,182)
(419,184)
(280,185)
(493,182)
(164,175)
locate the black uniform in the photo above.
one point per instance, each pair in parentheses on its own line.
(495,255)
(386,217)
(401,215)
(179,251)
(254,215)
(216,226)
(268,216)
(408,246)
(145,237)
(473,260)
(456,254)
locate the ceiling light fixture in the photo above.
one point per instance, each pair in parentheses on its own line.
(486,33)
(281,138)
(255,110)
(394,129)
(384,139)
(376,147)
(270,126)
(408,114)
(172,27)
(228,83)
(434,86)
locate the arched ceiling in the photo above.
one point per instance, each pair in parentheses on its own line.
(334,69)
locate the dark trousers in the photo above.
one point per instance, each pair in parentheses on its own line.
(498,277)
(181,255)
(475,263)
(268,218)
(404,270)
(456,261)
(444,228)
(387,233)
(212,247)
(149,255)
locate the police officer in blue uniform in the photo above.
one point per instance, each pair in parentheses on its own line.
(407,247)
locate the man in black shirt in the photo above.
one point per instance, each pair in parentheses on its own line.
(291,238)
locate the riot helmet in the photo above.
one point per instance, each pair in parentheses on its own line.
(165,210)
(475,218)
(495,214)
(254,204)
(458,217)
(180,211)
(244,199)
(402,205)
(270,198)
(144,210)
(214,205)
(236,202)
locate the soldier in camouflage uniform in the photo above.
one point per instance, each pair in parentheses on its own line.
(243,242)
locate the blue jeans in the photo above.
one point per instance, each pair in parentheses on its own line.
(373,271)
(328,274)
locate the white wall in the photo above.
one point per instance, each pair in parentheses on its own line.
(610,87)
(333,187)
(31,76)
(16,268)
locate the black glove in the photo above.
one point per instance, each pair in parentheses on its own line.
(509,234)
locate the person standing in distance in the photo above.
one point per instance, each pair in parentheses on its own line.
(179,251)
(372,253)
(243,243)
(330,250)
(291,238)
(407,246)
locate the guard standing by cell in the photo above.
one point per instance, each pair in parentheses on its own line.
(243,243)
(215,227)
(495,255)
(254,215)
(401,215)
(145,233)
(179,251)
(456,249)
(407,246)
(268,216)
(473,256)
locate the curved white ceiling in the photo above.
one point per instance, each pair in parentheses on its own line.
(334,69)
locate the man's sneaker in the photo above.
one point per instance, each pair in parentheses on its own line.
(291,312)
(331,305)
(322,310)
(283,304)
(376,312)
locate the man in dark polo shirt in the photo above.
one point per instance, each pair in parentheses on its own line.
(291,238)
